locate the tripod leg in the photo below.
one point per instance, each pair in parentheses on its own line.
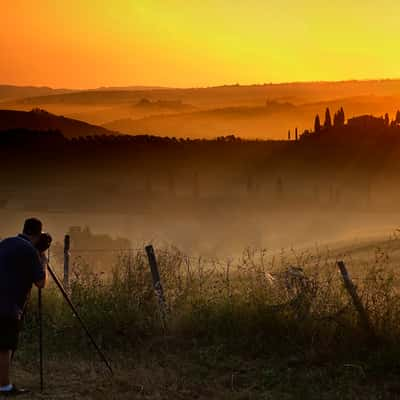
(75,312)
(40,338)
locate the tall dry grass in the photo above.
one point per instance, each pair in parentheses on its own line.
(291,302)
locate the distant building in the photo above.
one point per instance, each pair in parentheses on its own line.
(366,122)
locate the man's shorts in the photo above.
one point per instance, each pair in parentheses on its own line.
(9,332)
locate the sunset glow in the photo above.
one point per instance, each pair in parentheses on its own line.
(90,43)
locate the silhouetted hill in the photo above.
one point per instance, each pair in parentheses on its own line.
(343,164)
(220,110)
(10,92)
(41,120)
(244,121)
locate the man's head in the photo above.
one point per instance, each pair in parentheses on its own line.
(33,229)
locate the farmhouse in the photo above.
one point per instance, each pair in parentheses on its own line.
(366,122)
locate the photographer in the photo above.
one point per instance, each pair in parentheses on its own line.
(22,264)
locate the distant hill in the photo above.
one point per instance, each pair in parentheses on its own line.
(119,88)
(163,105)
(38,95)
(10,92)
(247,122)
(42,120)
(262,111)
(272,120)
(226,96)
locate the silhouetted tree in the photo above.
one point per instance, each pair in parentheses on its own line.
(368,190)
(196,188)
(249,184)
(397,120)
(316,192)
(288,135)
(83,237)
(387,119)
(339,118)
(338,195)
(328,119)
(171,184)
(317,124)
(279,188)
(331,193)
(149,185)
(342,116)
(296,135)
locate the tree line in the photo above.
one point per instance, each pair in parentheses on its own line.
(339,120)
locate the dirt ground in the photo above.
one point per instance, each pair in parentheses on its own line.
(85,380)
(205,375)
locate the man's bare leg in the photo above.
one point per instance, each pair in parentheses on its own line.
(5,361)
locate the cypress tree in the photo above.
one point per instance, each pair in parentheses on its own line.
(339,118)
(342,116)
(317,124)
(336,118)
(328,119)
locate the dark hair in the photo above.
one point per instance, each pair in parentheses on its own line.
(32,227)
(44,242)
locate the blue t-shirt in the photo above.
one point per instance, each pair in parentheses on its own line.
(20,267)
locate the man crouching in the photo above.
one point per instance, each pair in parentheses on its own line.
(20,267)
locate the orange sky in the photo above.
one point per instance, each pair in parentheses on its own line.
(91,43)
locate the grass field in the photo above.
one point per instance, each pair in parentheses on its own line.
(253,328)
(210,373)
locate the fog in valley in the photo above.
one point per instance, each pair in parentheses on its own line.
(324,185)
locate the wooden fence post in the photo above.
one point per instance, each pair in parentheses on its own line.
(351,289)
(67,243)
(157,283)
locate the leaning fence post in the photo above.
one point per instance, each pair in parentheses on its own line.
(351,289)
(67,243)
(157,282)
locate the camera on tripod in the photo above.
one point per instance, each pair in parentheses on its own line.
(44,242)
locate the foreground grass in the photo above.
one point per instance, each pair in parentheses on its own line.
(209,373)
(256,328)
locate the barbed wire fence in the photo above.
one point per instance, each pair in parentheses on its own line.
(195,261)
(208,268)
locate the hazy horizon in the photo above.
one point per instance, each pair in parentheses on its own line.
(134,86)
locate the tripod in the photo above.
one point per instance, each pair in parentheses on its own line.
(75,312)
